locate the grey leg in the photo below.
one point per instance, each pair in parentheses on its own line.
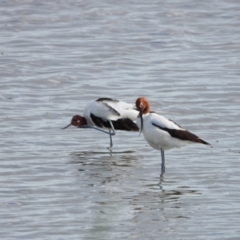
(163,163)
(98,129)
(102,130)
(113,130)
(110,135)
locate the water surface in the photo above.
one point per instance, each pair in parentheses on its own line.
(57,56)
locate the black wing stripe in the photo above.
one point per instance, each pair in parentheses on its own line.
(97,121)
(120,124)
(112,109)
(174,123)
(182,134)
(107,105)
(106,99)
(125,124)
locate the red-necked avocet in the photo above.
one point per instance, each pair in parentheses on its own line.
(162,133)
(107,115)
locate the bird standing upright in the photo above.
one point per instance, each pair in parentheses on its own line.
(162,133)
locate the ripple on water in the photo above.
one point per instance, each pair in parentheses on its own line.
(56,57)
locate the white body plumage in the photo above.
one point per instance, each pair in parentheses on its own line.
(109,110)
(158,138)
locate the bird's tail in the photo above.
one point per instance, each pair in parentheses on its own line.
(206,143)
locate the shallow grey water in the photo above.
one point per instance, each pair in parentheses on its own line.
(56,56)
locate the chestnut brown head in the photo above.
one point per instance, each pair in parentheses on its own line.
(143,106)
(77,121)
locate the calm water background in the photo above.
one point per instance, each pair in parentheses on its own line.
(56,56)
